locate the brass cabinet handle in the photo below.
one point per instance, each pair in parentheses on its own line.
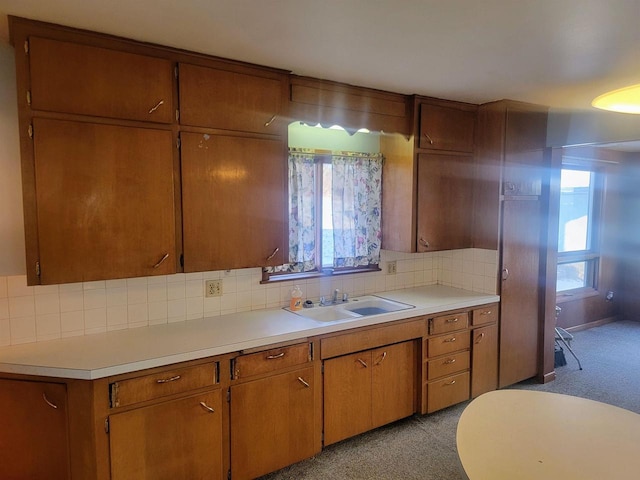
(273,357)
(168,380)
(364,364)
(166,255)
(428,138)
(207,407)
(301,380)
(451,320)
(157,105)
(270,121)
(452,382)
(505,273)
(449,340)
(423,242)
(51,404)
(449,361)
(480,337)
(486,312)
(384,355)
(273,254)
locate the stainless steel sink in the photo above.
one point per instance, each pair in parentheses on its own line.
(356,308)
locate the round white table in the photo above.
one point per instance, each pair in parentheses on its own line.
(523,434)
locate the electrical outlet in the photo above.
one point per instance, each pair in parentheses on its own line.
(391,267)
(213,288)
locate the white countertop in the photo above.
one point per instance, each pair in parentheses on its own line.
(101,355)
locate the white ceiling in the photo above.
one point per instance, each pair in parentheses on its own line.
(560,53)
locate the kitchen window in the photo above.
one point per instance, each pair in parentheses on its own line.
(578,233)
(335,202)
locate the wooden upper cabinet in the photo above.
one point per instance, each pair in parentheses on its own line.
(449,128)
(234,201)
(445,200)
(228,100)
(104,201)
(85,80)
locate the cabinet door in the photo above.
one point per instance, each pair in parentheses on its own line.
(233,201)
(229,100)
(105,201)
(519,297)
(394,375)
(484,361)
(81,79)
(180,439)
(347,396)
(33,431)
(523,173)
(444,202)
(272,423)
(446,128)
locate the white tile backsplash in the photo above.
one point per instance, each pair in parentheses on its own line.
(30,314)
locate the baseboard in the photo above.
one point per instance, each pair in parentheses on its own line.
(597,323)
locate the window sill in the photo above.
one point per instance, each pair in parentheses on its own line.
(563,297)
(288,277)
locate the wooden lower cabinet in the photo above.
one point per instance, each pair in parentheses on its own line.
(484,360)
(368,389)
(273,422)
(178,439)
(34,439)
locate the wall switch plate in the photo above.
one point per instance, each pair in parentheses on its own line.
(213,288)
(392,267)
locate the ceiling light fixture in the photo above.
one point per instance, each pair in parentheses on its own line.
(623,100)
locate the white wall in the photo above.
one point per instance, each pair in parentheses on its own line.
(12,258)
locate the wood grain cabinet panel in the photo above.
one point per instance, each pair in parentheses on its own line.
(234,201)
(273,423)
(368,389)
(447,391)
(81,79)
(105,201)
(446,128)
(33,431)
(176,440)
(484,360)
(444,202)
(229,100)
(271,360)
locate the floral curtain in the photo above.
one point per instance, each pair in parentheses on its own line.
(356,205)
(302,220)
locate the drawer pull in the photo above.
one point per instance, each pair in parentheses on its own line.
(423,242)
(480,337)
(486,312)
(273,357)
(364,364)
(384,355)
(270,121)
(168,380)
(451,320)
(166,255)
(449,361)
(51,404)
(449,340)
(429,138)
(301,380)
(157,105)
(207,407)
(452,382)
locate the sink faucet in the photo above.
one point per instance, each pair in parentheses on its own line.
(335,296)
(334,299)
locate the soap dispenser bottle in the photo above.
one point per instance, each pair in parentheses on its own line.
(296,299)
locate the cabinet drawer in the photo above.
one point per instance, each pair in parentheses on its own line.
(448,323)
(271,360)
(448,343)
(448,365)
(484,315)
(448,391)
(149,387)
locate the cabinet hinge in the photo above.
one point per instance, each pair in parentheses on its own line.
(182,260)
(228,395)
(26,47)
(106,425)
(177,115)
(229,474)
(113,395)
(37,269)
(30,132)
(29,97)
(178,143)
(175,71)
